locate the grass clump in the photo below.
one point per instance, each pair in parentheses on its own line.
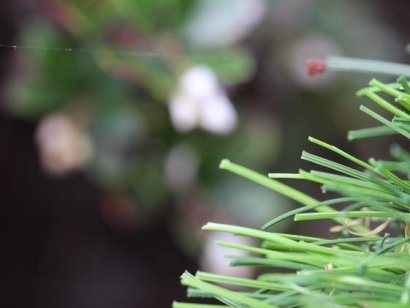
(364,266)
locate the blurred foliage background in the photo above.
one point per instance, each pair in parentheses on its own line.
(115,115)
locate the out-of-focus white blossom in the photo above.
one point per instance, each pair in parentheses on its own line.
(214,258)
(199,82)
(63,147)
(216,24)
(200,101)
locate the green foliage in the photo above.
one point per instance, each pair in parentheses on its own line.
(359,268)
(114,67)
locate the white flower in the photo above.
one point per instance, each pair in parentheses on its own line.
(199,82)
(63,147)
(200,101)
(215,24)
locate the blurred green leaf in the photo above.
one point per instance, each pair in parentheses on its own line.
(154,16)
(231,65)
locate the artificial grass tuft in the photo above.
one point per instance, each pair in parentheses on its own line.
(362,267)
